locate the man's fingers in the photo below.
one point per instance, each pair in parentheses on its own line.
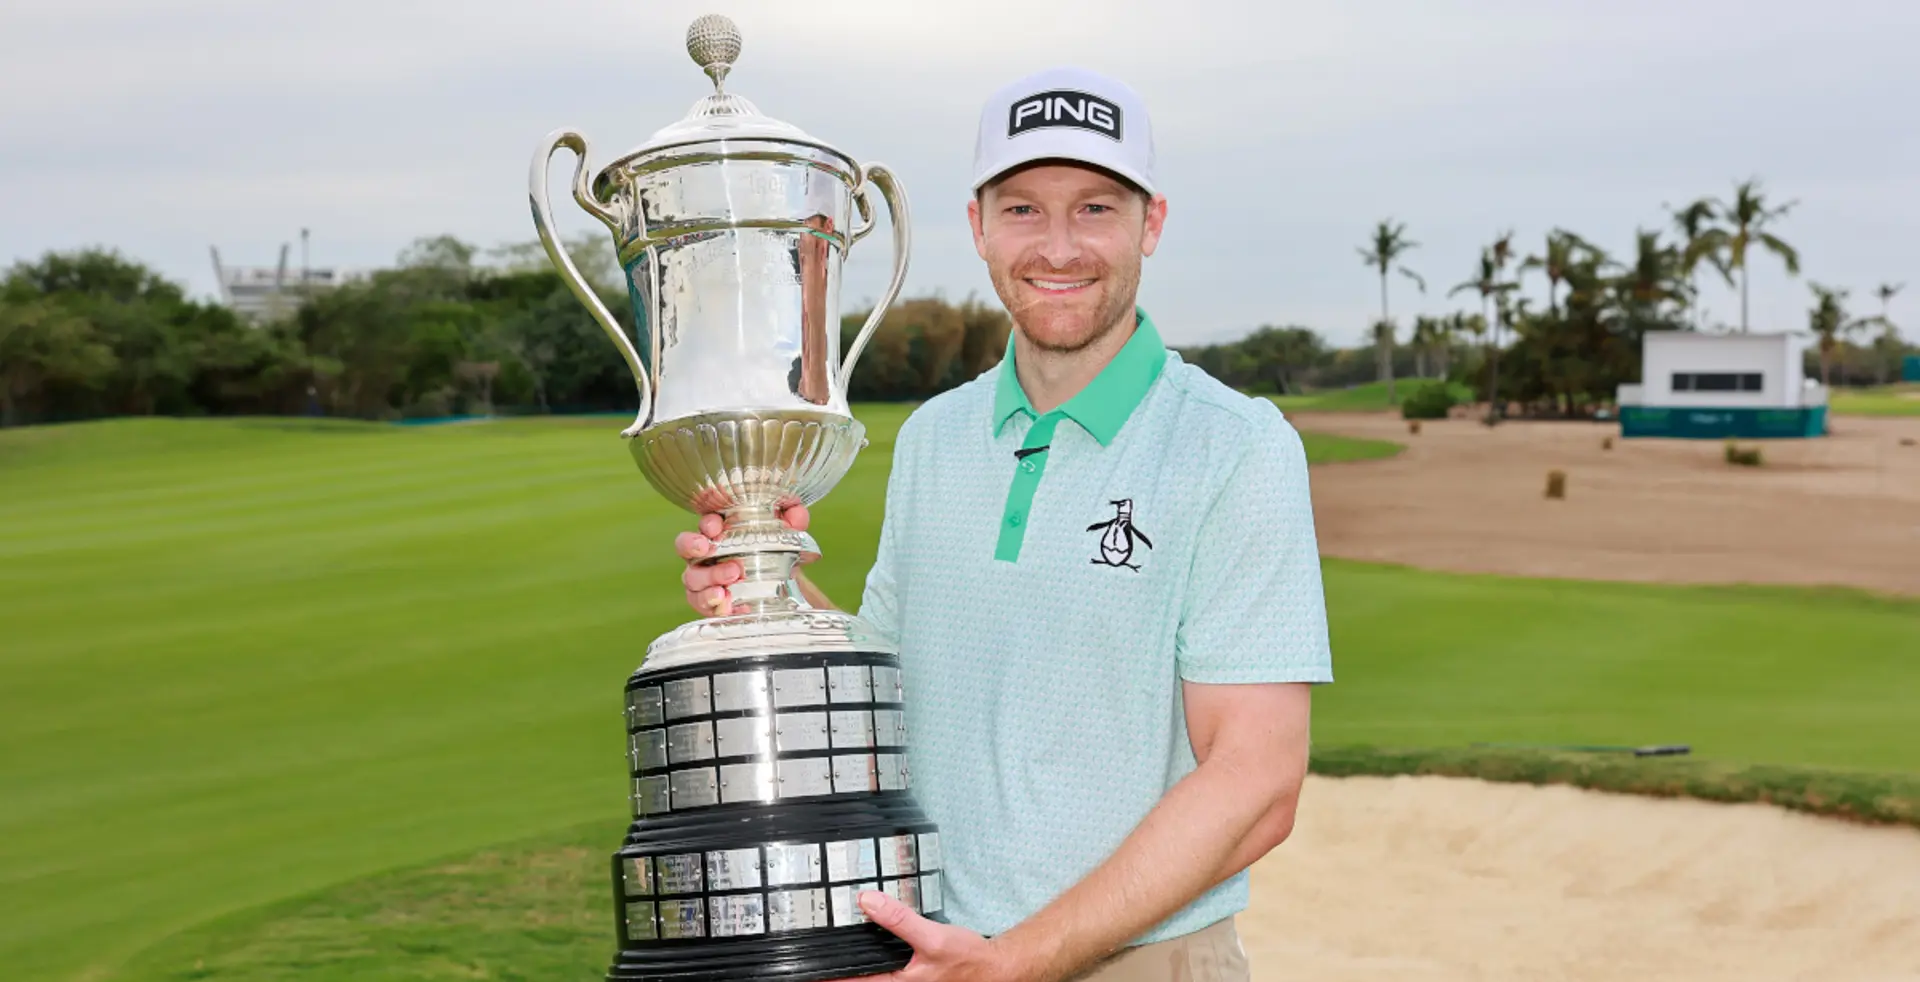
(796,516)
(712,525)
(924,935)
(712,601)
(692,545)
(698,577)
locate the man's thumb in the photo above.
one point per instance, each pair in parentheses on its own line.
(897,918)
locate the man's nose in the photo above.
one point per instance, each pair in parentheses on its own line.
(1061,247)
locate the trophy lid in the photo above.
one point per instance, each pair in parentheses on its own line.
(714,43)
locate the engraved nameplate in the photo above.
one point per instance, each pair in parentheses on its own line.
(688,697)
(644,709)
(906,891)
(929,893)
(695,789)
(640,926)
(846,905)
(891,769)
(649,750)
(897,856)
(886,684)
(637,875)
(690,742)
(799,687)
(805,777)
(851,859)
(733,869)
(929,850)
(744,736)
(852,729)
(890,728)
(682,919)
(740,691)
(849,683)
(737,916)
(790,865)
(854,773)
(650,795)
(800,731)
(746,782)
(796,910)
(682,873)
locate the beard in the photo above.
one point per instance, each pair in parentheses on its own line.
(1066,325)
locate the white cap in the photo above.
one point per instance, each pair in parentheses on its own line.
(1069,113)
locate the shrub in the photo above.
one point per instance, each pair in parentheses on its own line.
(1606,444)
(1744,458)
(1556,484)
(1429,401)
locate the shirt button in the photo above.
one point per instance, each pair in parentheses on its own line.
(1014,519)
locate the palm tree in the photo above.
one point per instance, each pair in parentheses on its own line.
(1658,275)
(1563,250)
(1829,319)
(1389,243)
(1693,222)
(1887,292)
(1746,218)
(1427,334)
(1493,291)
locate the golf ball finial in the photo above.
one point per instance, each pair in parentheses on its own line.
(714,42)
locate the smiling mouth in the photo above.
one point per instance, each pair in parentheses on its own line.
(1059,286)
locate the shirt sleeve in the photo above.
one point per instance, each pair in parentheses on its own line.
(1255,608)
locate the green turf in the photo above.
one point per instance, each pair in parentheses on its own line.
(1370,397)
(1891,400)
(249,660)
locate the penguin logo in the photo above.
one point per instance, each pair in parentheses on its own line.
(1117,536)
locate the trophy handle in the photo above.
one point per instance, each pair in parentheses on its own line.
(543,223)
(878,176)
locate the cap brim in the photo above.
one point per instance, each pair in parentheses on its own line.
(1119,172)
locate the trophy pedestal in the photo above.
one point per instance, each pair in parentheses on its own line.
(770,788)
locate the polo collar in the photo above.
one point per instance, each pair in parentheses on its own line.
(1104,405)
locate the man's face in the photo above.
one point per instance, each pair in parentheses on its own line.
(1064,245)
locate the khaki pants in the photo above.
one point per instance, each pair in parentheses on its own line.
(1211,954)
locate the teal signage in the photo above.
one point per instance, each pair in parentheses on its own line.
(1720,424)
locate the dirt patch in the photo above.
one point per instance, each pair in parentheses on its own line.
(1446,878)
(1841,510)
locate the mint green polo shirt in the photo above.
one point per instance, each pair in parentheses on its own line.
(1053,578)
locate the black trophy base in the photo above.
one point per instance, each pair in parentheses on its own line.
(836,953)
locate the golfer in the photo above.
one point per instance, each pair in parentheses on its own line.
(1100,567)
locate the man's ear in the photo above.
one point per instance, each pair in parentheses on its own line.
(974,219)
(1155,221)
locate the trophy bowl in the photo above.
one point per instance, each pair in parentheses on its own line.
(766,749)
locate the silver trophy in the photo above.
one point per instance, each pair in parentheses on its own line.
(767,749)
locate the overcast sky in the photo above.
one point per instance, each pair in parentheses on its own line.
(1285,129)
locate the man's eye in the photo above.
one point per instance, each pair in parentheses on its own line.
(1099,209)
(1020,210)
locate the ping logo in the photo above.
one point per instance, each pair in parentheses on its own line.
(1064,107)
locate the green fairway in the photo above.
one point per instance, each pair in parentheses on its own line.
(246,660)
(1370,397)
(1891,400)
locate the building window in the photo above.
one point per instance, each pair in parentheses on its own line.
(1716,381)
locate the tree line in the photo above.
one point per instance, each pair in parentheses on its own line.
(447,331)
(454,330)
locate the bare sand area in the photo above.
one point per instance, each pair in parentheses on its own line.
(1841,510)
(1430,878)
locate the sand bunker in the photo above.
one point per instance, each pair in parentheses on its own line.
(1432,878)
(1844,510)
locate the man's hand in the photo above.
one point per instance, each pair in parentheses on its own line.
(941,952)
(707,582)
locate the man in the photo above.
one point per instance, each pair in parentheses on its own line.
(1101,570)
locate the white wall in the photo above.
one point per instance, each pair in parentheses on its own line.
(1776,357)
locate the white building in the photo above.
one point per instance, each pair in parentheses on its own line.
(267,293)
(1708,385)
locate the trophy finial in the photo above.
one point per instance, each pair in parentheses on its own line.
(714,42)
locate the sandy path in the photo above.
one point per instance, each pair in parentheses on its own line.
(1448,879)
(1840,510)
